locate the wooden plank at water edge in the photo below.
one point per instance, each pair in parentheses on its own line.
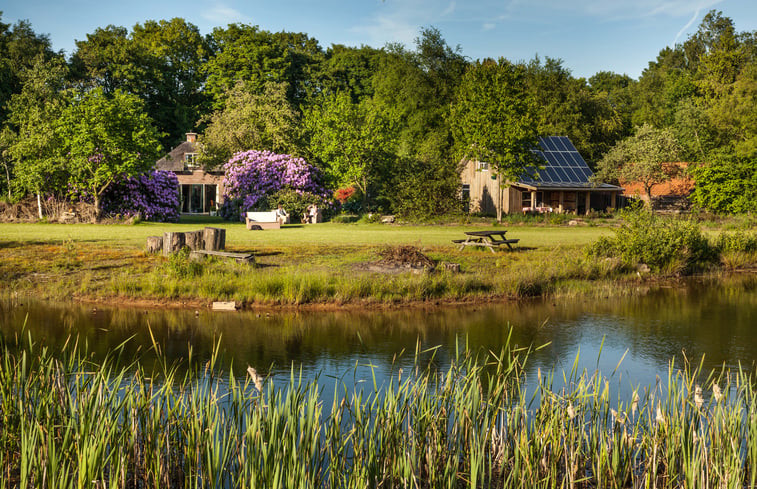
(225,306)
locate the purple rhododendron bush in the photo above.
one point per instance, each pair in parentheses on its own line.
(251,177)
(154,196)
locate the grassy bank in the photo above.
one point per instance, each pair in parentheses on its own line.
(319,264)
(70,423)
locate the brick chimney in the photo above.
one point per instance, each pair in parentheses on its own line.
(191,137)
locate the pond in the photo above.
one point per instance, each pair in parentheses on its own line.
(711,318)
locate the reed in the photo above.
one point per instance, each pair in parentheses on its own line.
(70,423)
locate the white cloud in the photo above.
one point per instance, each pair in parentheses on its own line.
(450,9)
(488,26)
(222,14)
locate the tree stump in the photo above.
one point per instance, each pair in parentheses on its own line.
(194,240)
(154,244)
(215,239)
(172,242)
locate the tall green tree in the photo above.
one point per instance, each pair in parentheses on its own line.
(108,59)
(494,118)
(104,138)
(649,157)
(352,141)
(726,183)
(34,145)
(248,120)
(256,57)
(568,107)
(161,62)
(20,49)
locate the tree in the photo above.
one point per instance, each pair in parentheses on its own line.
(726,184)
(649,157)
(264,121)
(161,62)
(493,118)
(353,141)
(255,56)
(105,138)
(34,146)
(20,49)
(567,106)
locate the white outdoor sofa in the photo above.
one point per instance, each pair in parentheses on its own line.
(264,220)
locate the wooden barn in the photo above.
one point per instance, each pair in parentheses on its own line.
(564,183)
(201,190)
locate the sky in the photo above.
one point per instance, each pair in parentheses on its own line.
(622,36)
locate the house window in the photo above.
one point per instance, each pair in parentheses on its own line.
(190,159)
(482,166)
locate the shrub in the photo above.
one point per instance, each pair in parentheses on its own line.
(153,197)
(254,175)
(736,242)
(181,266)
(662,243)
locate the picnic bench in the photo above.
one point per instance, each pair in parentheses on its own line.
(486,239)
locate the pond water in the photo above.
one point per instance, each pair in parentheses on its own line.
(717,319)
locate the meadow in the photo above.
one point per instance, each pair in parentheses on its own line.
(322,264)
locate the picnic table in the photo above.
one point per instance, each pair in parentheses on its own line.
(487,239)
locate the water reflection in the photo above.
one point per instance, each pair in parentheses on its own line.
(703,318)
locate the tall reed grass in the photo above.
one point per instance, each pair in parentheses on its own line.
(70,423)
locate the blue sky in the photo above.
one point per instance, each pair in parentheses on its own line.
(588,35)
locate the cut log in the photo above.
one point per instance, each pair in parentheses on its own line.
(195,240)
(215,239)
(172,242)
(154,244)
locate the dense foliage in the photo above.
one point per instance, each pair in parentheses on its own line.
(663,244)
(252,176)
(393,122)
(152,196)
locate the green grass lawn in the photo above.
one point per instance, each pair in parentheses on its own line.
(300,264)
(326,234)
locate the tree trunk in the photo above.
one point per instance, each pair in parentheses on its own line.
(172,242)
(8,179)
(648,190)
(195,240)
(98,213)
(154,244)
(214,238)
(39,205)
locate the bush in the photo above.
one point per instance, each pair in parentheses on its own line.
(153,197)
(736,242)
(665,244)
(251,176)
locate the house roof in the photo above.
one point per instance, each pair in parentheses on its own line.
(174,161)
(563,168)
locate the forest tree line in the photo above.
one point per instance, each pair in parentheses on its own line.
(391,122)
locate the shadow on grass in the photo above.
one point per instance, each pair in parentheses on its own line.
(201,219)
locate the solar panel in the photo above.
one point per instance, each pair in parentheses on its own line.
(562,163)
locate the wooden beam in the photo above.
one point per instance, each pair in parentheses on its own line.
(588,203)
(561,209)
(614,200)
